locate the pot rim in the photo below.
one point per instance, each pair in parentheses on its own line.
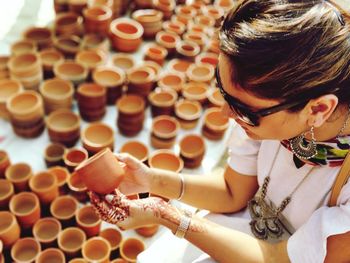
(65,112)
(183,116)
(88,142)
(116,32)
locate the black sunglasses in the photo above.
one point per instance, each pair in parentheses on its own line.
(245,113)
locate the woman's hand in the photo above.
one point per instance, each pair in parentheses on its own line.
(137,175)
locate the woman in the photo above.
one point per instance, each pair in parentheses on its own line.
(284,71)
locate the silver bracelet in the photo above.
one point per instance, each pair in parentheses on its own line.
(184,225)
(182,190)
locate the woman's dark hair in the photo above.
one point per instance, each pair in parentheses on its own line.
(286,50)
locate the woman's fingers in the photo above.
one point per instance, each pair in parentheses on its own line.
(129,160)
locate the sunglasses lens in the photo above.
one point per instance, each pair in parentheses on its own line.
(244,117)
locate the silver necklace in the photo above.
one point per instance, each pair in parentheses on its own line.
(266,221)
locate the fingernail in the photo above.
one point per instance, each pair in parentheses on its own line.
(109,198)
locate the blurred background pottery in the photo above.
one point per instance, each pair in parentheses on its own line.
(201,72)
(137,149)
(130,248)
(42,36)
(179,66)
(23,46)
(72,71)
(156,53)
(164,131)
(68,45)
(44,185)
(97,19)
(192,150)
(8,87)
(96,42)
(187,49)
(25,250)
(166,160)
(215,124)
(6,192)
(49,57)
(46,231)
(171,80)
(9,229)
(165,6)
(51,255)
(63,208)
(162,101)
(175,27)
(77,187)
(91,59)
(88,220)
(196,91)
(4,162)
(141,81)
(123,61)
(147,231)
(74,156)
(215,98)
(70,241)
(19,174)
(114,237)
(62,174)
(188,113)
(68,23)
(208,57)
(150,19)
(96,249)
(53,154)
(168,40)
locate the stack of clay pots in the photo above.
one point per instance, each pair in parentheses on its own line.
(68,23)
(162,101)
(42,36)
(151,21)
(72,71)
(140,81)
(50,57)
(95,42)
(215,124)
(68,45)
(97,19)
(192,150)
(164,132)
(8,88)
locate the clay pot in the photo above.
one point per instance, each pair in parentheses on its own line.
(179,66)
(63,208)
(111,78)
(101,173)
(71,240)
(126,34)
(175,27)
(108,3)
(113,236)
(95,42)
(42,36)
(166,160)
(215,12)
(46,231)
(60,6)
(185,13)
(164,131)
(204,20)
(97,19)
(77,6)
(77,187)
(215,124)
(91,59)
(73,157)
(50,57)
(168,40)
(6,192)
(172,80)
(52,255)
(123,61)
(25,250)
(63,127)
(88,220)
(215,98)
(96,137)
(44,185)
(8,87)
(147,231)
(23,46)
(68,45)
(26,207)
(72,71)
(96,249)
(162,101)
(208,57)
(68,23)
(137,149)
(192,150)
(150,19)
(62,174)
(54,153)
(91,101)
(201,73)
(156,53)
(196,28)
(187,49)
(188,113)
(19,174)
(141,81)
(9,229)
(200,38)
(153,66)
(196,91)
(166,6)
(130,248)
(4,163)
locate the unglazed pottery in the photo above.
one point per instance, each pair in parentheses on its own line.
(137,149)
(113,236)
(168,40)
(201,72)
(9,229)
(150,19)
(171,80)
(130,248)
(25,250)
(68,45)
(72,71)
(77,187)
(179,66)
(123,61)
(141,80)
(164,131)
(73,157)
(192,150)
(88,220)
(71,240)
(4,162)
(53,154)
(49,57)
(175,27)
(156,53)
(63,208)
(147,231)
(19,174)
(68,23)
(97,136)
(187,49)
(44,185)
(188,113)
(46,231)
(166,160)
(23,46)
(196,91)
(97,19)
(8,87)
(215,124)
(208,57)
(42,36)
(6,192)
(96,249)
(166,6)
(91,58)
(62,174)
(95,42)
(162,101)
(51,255)
(215,98)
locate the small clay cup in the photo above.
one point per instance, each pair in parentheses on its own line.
(179,66)
(8,87)
(215,124)
(150,19)
(141,80)
(19,174)
(156,53)
(46,231)
(119,260)
(71,240)
(42,36)
(168,40)
(208,57)
(62,174)
(4,162)
(101,173)
(73,157)
(24,65)
(204,20)
(72,71)
(187,49)
(215,12)
(200,38)
(154,66)
(162,101)
(196,91)
(188,113)
(113,236)
(164,131)
(137,149)
(171,80)
(130,248)
(174,27)
(192,150)
(23,46)
(96,137)
(96,42)
(68,23)
(91,59)
(215,98)
(53,154)
(49,57)
(26,207)
(166,160)
(44,185)
(68,45)
(123,61)
(25,250)
(63,208)
(201,72)
(6,192)
(88,220)
(96,249)
(51,255)
(77,187)
(9,229)
(97,19)
(166,6)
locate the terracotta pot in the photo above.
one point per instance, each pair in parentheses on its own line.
(175,27)
(60,6)
(44,185)
(77,187)
(188,113)
(204,20)
(96,42)
(50,57)
(26,207)
(8,87)
(156,53)
(51,254)
(108,3)
(68,23)
(196,91)
(168,40)
(46,231)
(187,49)
(153,66)
(208,57)
(215,124)
(71,240)
(68,45)
(4,163)
(54,153)
(24,65)
(179,66)
(137,149)
(201,73)
(97,19)
(25,250)
(197,28)
(126,34)
(164,131)
(63,208)
(63,127)
(123,61)
(166,160)
(19,174)
(171,80)
(62,175)
(141,81)
(72,71)
(9,229)
(185,13)
(166,6)
(73,157)
(113,236)
(96,137)
(101,173)
(192,150)
(42,36)
(215,98)
(96,249)
(162,101)
(150,19)
(91,59)
(77,6)
(147,231)
(88,220)
(130,248)
(215,12)
(200,38)
(23,46)
(6,192)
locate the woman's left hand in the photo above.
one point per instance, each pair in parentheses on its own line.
(125,213)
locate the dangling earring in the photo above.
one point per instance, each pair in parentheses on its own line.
(303,149)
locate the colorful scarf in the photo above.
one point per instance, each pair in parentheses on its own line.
(331,152)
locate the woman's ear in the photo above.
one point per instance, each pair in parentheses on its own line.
(320,109)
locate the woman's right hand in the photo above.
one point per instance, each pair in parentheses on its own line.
(137,175)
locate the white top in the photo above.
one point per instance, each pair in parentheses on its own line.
(308,212)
